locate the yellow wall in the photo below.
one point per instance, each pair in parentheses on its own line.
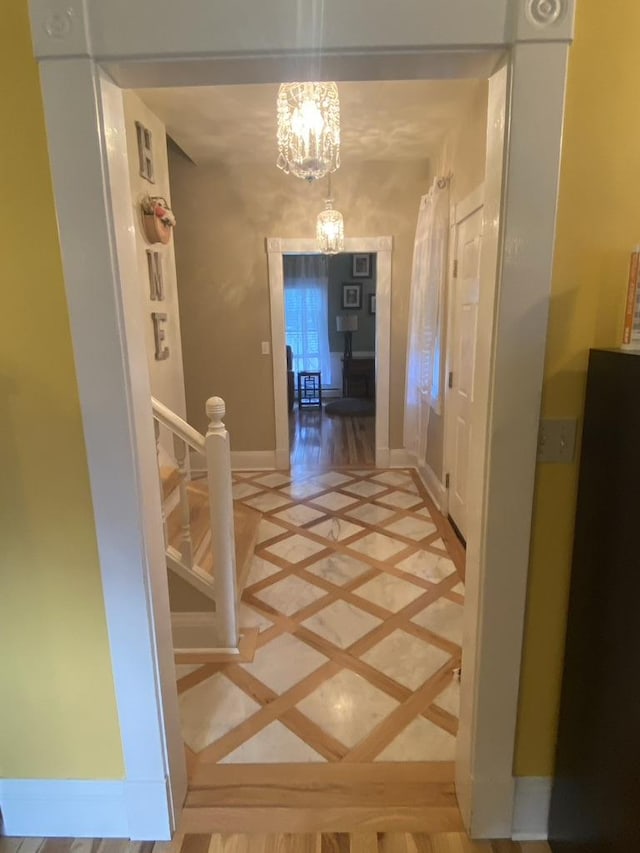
(599,222)
(58,715)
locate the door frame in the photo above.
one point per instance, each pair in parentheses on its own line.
(277,248)
(86,50)
(459,212)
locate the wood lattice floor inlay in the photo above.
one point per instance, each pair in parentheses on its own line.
(359,606)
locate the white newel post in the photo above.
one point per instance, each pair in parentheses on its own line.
(218,455)
(186,547)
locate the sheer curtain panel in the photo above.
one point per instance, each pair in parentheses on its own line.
(306,284)
(426,317)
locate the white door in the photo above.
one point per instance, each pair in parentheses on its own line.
(461,350)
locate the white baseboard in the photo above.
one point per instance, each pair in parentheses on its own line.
(283,461)
(486,805)
(400,458)
(253,460)
(531,808)
(383,457)
(54,808)
(246,460)
(436,489)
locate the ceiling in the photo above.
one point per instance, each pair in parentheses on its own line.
(390,120)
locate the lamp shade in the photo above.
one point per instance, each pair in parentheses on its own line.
(347,323)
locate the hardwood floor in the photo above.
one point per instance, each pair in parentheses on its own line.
(325,842)
(407,796)
(320,440)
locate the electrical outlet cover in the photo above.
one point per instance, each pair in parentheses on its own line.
(557,440)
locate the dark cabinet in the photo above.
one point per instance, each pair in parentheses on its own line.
(595,804)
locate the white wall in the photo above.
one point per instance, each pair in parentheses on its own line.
(167,377)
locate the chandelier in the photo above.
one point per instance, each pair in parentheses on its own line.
(308,129)
(330,228)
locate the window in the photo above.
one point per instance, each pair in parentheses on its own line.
(306,313)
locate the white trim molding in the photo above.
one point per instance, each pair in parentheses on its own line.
(436,489)
(531,808)
(400,458)
(86,49)
(54,808)
(243,460)
(256,460)
(276,248)
(459,212)
(516,264)
(115,397)
(468,205)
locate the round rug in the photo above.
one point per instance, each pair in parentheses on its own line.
(348,406)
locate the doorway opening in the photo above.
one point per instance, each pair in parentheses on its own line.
(84,112)
(352,588)
(350,578)
(330,333)
(462,333)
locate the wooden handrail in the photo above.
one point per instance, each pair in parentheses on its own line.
(216,449)
(177,426)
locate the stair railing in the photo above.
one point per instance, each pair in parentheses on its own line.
(215,448)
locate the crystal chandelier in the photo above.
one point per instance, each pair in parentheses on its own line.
(308,129)
(330,228)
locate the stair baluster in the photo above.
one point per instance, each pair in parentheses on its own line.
(156,429)
(218,456)
(186,545)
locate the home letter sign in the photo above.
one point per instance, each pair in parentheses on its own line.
(159,335)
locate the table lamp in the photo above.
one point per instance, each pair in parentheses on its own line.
(347,323)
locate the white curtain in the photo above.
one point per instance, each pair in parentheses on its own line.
(306,302)
(426,316)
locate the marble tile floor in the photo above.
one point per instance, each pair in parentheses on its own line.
(359,607)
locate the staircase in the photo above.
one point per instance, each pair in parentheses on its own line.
(209,540)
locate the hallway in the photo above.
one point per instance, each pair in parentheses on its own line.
(359,606)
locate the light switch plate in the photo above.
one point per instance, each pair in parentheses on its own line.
(266,347)
(557,440)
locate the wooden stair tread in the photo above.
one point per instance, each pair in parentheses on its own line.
(246,523)
(170,479)
(199,513)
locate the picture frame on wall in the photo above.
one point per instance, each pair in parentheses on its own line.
(372,303)
(351,296)
(361,266)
